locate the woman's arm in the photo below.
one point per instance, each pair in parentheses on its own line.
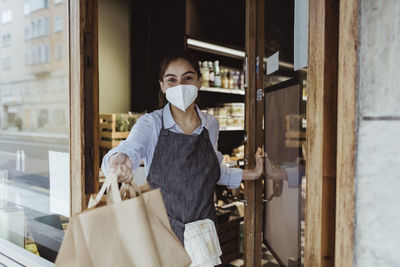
(127,155)
(232,177)
(258,170)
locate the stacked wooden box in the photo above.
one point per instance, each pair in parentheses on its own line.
(109,137)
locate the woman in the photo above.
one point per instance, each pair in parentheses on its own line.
(178,145)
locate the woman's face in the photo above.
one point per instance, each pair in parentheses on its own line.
(179,72)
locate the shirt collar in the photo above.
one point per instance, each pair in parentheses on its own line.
(170,122)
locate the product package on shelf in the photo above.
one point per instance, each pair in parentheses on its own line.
(231,160)
(229,116)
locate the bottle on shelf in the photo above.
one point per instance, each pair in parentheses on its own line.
(236,80)
(217,74)
(205,74)
(225,79)
(231,79)
(211,75)
(241,80)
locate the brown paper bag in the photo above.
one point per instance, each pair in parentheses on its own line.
(133,232)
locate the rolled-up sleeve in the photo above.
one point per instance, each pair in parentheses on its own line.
(135,146)
(294,175)
(231,177)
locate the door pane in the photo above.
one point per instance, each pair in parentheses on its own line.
(34,122)
(285,127)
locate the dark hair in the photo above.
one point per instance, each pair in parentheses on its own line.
(170,57)
(175,55)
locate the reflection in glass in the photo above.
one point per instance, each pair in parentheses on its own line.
(285,135)
(34,124)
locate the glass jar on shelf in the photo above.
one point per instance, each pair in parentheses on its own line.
(205,74)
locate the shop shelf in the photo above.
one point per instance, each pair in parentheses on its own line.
(232,128)
(223,90)
(214,48)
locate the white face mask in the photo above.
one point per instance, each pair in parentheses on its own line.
(181,96)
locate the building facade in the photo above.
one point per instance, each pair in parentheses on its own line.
(34,74)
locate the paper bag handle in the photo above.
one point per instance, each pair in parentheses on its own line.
(127,191)
(110,185)
(130,190)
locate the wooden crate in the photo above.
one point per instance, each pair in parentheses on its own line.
(109,137)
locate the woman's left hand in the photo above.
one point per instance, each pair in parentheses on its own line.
(258,170)
(260,155)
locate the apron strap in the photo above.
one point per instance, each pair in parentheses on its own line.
(162,119)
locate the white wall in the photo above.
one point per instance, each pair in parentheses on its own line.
(114,56)
(377,181)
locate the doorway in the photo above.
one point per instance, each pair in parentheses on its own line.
(286,84)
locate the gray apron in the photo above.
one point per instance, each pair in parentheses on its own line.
(186,169)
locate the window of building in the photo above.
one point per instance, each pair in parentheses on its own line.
(46,26)
(43,118)
(33,26)
(58,24)
(57,1)
(58,117)
(26,9)
(6,40)
(6,63)
(46,53)
(39,31)
(58,54)
(35,5)
(27,59)
(6,17)
(38,54)
(26,34)
(40,27)
(33,55)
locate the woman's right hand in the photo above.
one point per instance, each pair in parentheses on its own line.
(121,164)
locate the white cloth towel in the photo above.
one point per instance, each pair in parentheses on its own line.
(202,244)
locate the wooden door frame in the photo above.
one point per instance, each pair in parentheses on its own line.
(254,113)
(346,134)
(84,101)
(321,133)
(331,119)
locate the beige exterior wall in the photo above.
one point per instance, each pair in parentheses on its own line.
(114,56)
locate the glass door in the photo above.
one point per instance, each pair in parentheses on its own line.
(285,124)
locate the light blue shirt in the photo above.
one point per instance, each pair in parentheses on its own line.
(142,141)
